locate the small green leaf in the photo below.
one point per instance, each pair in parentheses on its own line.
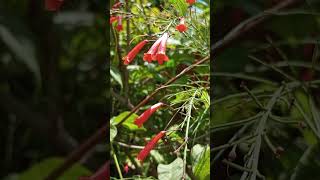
(116,75)
(157,156)
(113,132)
(205,98)
(172,171)
(200,156)
(129,122)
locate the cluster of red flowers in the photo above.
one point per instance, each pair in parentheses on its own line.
(118,19)
(139,122)
(53,5)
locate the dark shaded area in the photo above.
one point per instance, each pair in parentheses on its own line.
(53,82)
(289,41)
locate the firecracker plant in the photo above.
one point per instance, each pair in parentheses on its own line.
(160,106)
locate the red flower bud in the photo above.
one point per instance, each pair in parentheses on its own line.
(53,5)
(126,168)
(181,27)
(119,26)
(113,19)
(116,5)
(146,150)
(132,54)
(150,55)
(191,2)
(161,54)
(146,114)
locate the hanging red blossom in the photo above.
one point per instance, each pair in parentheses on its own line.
(151,54)
(117,5)
(53,5)
(181,27)
(161,54)
(191,2)
(132,54)
(113,19)
(119,26)
(151,144)
(146,114)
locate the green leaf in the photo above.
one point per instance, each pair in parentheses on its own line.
(205,98)
(200,156)
(157,156)
(180,5)
(129,122)
(116,75)
(40,170)
(113,132)
(172,171)
(22,49)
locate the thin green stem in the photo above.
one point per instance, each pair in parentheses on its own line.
(116,162)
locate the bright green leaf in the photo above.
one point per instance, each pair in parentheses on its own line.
(172,171)
(113,132)
(116,75)
(201,161)
(129,122)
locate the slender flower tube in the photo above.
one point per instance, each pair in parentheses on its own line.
(191,2)
(151,144)
(150,55)
(53,5)
(119,26)
(181,27)
(146,114)
(161,54)
(113,19)
(133,53)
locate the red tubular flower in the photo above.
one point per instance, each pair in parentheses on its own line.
(113,19)
(146,114)
(116,5)
(150,55)
(119,26)
(191,2)
(53,5)
(146,150)
(181,27)
(132,54)
(161,54)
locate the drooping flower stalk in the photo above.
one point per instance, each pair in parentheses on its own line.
(151,144)
(113,19)
(181,27)
(161,54)
(146,114)
(150,55)
(53,5)
(133,53)
(119,26)
(191,2)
